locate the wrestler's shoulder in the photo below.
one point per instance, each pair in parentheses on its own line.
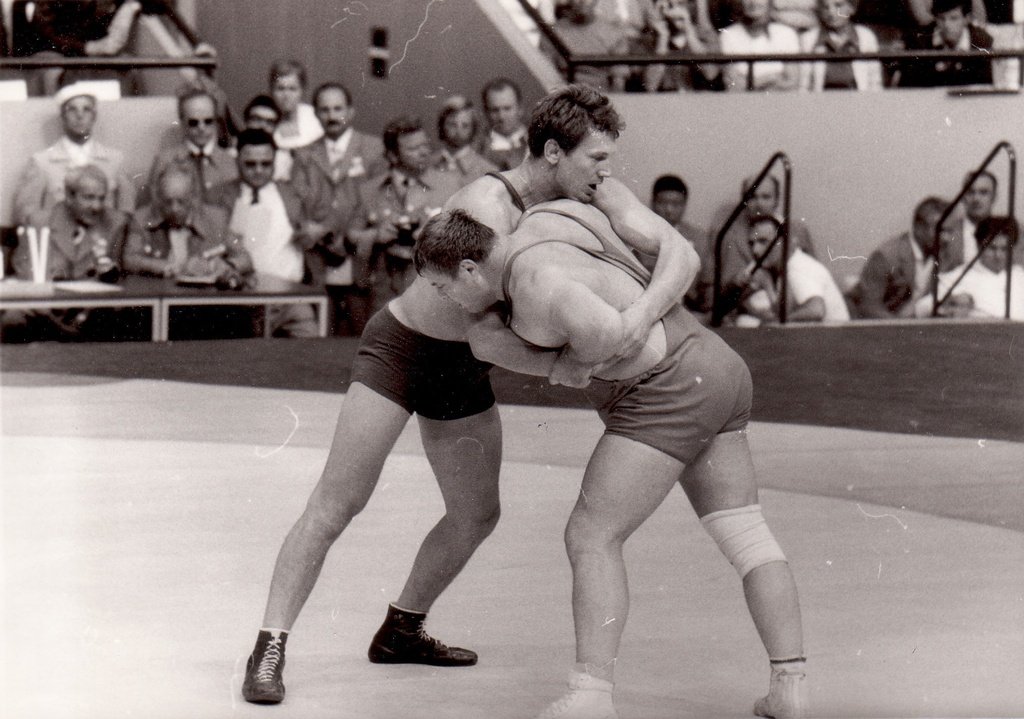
(486,198)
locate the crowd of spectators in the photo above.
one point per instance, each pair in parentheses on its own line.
(780,27)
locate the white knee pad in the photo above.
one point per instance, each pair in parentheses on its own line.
(744,537)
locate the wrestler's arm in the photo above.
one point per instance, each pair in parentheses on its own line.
(677,262)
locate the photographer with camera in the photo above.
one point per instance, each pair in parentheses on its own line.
(392,207)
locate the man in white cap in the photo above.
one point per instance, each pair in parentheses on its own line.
(42,184)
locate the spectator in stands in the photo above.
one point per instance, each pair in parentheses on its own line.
(836,34)
(298,125)
(584,32)
(337,164)
(86,28)
(261,113)
(86,241)
(755,33)
(276,226)
(811,292)
(179,236)
(506,143)
(392,209)
(978,204)
(951,30)
(198,152)
(458,129)
(42,185)
(980,289)
(669,197)
(671,28)
(801,15)
(923,14)
(899,272)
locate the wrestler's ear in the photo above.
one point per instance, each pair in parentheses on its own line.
(469,266)
(553,152)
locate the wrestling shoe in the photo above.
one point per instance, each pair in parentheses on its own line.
(587,698)
(787,692)
(264,683)
(402,639)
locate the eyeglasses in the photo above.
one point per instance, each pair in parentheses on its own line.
(257,163)
(197,121)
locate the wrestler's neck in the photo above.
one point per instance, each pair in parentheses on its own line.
(534,180)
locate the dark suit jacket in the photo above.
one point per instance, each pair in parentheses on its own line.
(218,168)
(886,283)
(298,208)
(940,73)
(149,244)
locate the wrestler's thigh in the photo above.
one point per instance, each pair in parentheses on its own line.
(368,427)
(625,481)
(465,455)
(722,475)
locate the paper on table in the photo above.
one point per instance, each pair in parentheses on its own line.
(86,286)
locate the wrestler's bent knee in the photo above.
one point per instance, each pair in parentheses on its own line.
(744,537)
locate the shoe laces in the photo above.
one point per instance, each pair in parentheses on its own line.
(269,661)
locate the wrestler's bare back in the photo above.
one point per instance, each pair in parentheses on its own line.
(421,307)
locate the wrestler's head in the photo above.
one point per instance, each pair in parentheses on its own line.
(452,253)
(574,130)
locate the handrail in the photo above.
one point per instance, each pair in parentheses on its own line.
(937,240)
(718,312)
(108,63)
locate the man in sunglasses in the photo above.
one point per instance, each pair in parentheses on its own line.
(198,151)
(277,228)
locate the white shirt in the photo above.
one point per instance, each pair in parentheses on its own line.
(306,129)
(777,39)
(986,288)
(79,154)
(267,233)
(809,278)
(501,142)
(970,242)
(922,269)
(336,149)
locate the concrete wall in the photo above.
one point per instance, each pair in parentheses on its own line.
(860,163)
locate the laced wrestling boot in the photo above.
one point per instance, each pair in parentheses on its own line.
(264,683)
(402,639)
(588,698)
(787,692)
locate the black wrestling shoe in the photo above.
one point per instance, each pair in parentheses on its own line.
(264,683)
(403,640)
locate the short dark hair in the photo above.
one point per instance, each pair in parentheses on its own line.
(500,83)
(929,206)
(286,67)
(254,136)
(983,173)
(396,128)
(454,104)
(568,114)
(941,6)
(449,238)
(991,227)
(670,183)
(261,101)
(332,86)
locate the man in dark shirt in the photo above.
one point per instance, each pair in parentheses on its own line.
(951,30)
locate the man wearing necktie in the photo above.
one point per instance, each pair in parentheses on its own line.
(198,151)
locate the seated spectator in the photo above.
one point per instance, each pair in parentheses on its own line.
(923,14)
(262,113)
(276,226)
(951,30)
(585,33)
(812,294)
(86,28)
(755,33)
(179,236)
(298,125)
(505,146)
(338,163)
(86,241)
(392,209)
(458,129)
(899,272)
(42,184)
(669,197)
(671,29)
(978,203)
(198,152)
(980,289)
(838,35)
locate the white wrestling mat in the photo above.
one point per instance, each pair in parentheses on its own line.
(141,521)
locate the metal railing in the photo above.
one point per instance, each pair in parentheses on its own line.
(936,248)
(574,61)
(718,308)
